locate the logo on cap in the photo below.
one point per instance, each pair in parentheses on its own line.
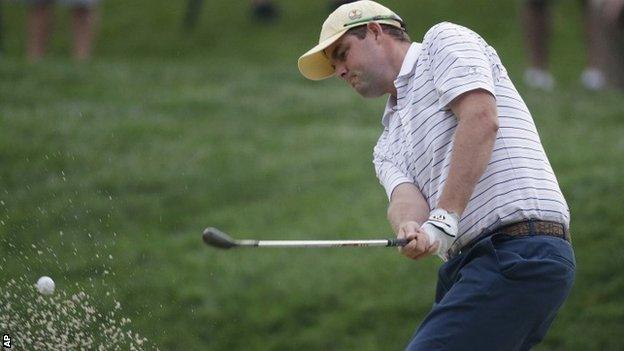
(355,14)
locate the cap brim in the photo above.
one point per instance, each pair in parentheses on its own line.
(314,64)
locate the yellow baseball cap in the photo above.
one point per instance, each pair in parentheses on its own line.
(314,64)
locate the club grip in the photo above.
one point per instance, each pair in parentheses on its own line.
(397,242)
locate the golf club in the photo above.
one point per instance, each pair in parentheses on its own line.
(216,238)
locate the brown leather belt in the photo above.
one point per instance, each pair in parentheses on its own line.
(533,227)
(525,228)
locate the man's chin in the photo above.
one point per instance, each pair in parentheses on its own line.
(365,91)
(369,94)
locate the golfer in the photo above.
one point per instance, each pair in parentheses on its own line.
(467,177)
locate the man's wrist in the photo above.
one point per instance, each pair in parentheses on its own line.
(442,227)
(446,221)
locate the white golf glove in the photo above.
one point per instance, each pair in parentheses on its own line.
(442,227)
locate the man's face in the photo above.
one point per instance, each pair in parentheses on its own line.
(360,62)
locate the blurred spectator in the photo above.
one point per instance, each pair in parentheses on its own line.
(537,23)
(266,10)
(612,11)
(261,10)
(40,15)
(334,4)
(193,8)
(1,31)
(609,17)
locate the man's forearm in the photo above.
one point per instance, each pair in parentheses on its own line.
(407,204)
(404,212)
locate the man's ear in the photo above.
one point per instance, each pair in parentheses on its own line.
(374,28)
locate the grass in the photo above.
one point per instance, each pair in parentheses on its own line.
(112,168)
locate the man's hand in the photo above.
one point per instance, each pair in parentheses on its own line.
(419,245)
(441,228)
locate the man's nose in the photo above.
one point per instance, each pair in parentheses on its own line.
(341,71)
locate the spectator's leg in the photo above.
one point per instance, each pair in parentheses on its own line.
(618,38)
(611,21)
(1,42)
(264,10)
(39,29)
(83,22)
(592,77)
(613,12)
(334,4)
(537,25)
(193,9)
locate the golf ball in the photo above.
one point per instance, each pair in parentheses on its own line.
(45,285)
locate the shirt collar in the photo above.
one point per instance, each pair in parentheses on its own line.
(409,62)
(388,111)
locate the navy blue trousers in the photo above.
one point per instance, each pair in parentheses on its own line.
(500,294)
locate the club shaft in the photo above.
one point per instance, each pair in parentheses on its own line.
(319,243)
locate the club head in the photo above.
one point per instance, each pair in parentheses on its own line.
(216,238)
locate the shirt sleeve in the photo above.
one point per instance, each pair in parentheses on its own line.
(459,62)
(389,175)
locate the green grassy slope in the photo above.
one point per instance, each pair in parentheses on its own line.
(112,169)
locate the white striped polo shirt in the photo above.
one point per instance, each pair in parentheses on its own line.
(417,140)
